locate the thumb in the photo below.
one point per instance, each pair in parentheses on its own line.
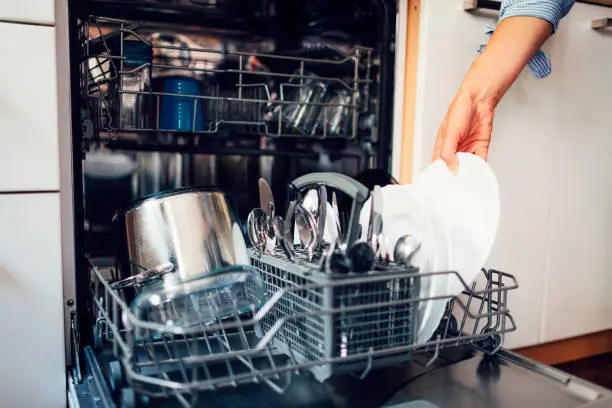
(449,155)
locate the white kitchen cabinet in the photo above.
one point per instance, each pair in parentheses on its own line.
(28,109)
(524,130)
(551,153)
(32,371)
(28,11)
(579,275)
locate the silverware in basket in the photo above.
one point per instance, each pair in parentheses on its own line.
(261,231)
(306,225)
(405,248)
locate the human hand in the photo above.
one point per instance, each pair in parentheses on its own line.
(467,127)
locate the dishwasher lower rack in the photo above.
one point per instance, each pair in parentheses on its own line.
(311,322)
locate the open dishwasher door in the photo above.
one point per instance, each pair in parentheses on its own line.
(504,380)
(463,378)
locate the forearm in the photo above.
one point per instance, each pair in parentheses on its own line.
(513,43)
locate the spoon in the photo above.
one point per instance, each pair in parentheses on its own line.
(405,248)
(307,229)
(261,231)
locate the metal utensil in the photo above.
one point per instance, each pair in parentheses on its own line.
(336,214)
(144,277)
(353,189)
(322,215)
(376,221)
(279,225)
(311,202)
(260,230)
(288,232)
(405,248)
(266,198)
(325,262)
(307,229)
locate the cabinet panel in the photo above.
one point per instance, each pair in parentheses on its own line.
(524,129)
(28,11)
(32,372)
(579,281)
(28,109)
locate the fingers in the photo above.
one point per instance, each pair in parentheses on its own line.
(482,152)
(449,154)
(439,140)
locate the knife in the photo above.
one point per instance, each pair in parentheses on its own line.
(376,221)
(322,216)
(336,215)
(266,199)
(287,232)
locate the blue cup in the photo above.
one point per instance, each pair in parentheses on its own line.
(177,112)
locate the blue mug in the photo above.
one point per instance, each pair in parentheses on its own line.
(177,112)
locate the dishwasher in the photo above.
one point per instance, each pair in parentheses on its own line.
(171,94)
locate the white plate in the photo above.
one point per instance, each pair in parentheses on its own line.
(404,213)
(440,282)
(467,207)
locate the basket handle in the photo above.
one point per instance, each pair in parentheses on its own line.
(349,186)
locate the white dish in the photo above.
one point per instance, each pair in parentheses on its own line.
(439,282)
(466,206)
(404,213)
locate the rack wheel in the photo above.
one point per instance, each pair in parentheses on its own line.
(112,370)
(115,374)
(127,398)
(453,327)
(490,343)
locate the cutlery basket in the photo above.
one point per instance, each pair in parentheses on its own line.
(344,317)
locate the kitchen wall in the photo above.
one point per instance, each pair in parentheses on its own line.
(550,152)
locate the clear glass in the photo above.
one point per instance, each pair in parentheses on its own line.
(230,292)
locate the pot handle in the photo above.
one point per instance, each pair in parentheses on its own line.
(145,276)
(349,186)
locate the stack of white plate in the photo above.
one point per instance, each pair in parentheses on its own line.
(455,217)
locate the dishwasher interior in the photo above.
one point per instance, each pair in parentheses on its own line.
(218,94)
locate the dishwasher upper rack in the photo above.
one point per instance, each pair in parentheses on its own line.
(124,94)
(183,362)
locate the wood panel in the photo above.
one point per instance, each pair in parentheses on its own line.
(576,348)
(412,50)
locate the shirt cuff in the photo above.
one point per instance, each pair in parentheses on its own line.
(552,12)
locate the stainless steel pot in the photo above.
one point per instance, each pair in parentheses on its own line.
(193,229)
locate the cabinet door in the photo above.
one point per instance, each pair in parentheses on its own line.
(32,370)
(520,155)
(28,11)
(579,283)
(28,109)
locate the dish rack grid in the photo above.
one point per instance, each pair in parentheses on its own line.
(280,340)
(269,94)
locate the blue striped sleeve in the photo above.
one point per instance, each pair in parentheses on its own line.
(550,10)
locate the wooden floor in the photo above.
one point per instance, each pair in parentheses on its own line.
(596,369)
